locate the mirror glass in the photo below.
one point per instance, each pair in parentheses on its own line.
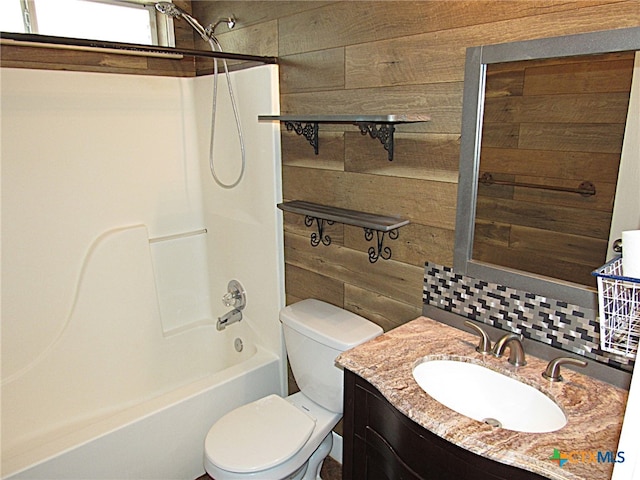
(543,128)
(552,135)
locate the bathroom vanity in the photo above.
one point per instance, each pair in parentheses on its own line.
(393,429)
(385,444)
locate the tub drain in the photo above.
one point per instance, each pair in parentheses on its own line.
(492,421)
(237,343)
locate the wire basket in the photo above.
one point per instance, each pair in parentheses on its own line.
(619,305)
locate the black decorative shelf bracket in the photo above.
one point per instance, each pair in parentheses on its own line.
(380,251)
(381,127)
(309,130)
(318,237)
(383,132)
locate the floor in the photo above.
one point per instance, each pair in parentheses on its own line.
(331,470)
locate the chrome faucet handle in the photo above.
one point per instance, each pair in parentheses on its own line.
(235,297)
(230,299)
(484,346)
(516,350)
(552,372)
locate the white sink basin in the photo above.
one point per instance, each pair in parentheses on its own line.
(487,396)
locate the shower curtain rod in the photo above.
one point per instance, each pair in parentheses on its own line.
(30,40)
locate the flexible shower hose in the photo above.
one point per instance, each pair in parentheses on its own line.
(214,43)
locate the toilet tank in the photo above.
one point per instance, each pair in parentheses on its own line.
(315,333)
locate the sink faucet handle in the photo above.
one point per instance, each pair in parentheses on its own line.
(484,346)
(552,372)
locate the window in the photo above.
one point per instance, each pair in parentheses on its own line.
(128,21)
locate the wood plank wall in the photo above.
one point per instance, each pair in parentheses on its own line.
(554,123)
(374,57)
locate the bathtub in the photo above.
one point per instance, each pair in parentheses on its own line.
(160,438)
(122,391)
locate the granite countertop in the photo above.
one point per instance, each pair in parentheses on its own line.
(594,409)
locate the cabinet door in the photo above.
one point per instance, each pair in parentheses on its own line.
(379,462)
(402,448)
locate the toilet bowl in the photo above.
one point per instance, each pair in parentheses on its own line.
(272,438)
(277,438)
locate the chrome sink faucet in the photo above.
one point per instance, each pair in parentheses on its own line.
(511,340)
(516,350)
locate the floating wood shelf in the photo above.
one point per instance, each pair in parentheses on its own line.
(370,222)
(381,127)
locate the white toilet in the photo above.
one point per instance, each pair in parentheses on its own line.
(277,438)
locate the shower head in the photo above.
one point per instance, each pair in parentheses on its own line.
(169,9)
(172,11)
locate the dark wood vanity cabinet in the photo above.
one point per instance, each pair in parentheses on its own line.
(382,443)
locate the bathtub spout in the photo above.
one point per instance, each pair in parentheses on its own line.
(227,319)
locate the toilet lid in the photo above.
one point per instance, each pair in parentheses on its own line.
(258,436)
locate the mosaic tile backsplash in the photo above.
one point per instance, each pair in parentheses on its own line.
(554,322)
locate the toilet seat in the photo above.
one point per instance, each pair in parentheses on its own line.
(258,436)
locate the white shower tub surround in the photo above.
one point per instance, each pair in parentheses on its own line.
(118,248)
(118,394)
(161,438)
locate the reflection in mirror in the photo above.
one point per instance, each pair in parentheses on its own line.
(553,114)
(552,135)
